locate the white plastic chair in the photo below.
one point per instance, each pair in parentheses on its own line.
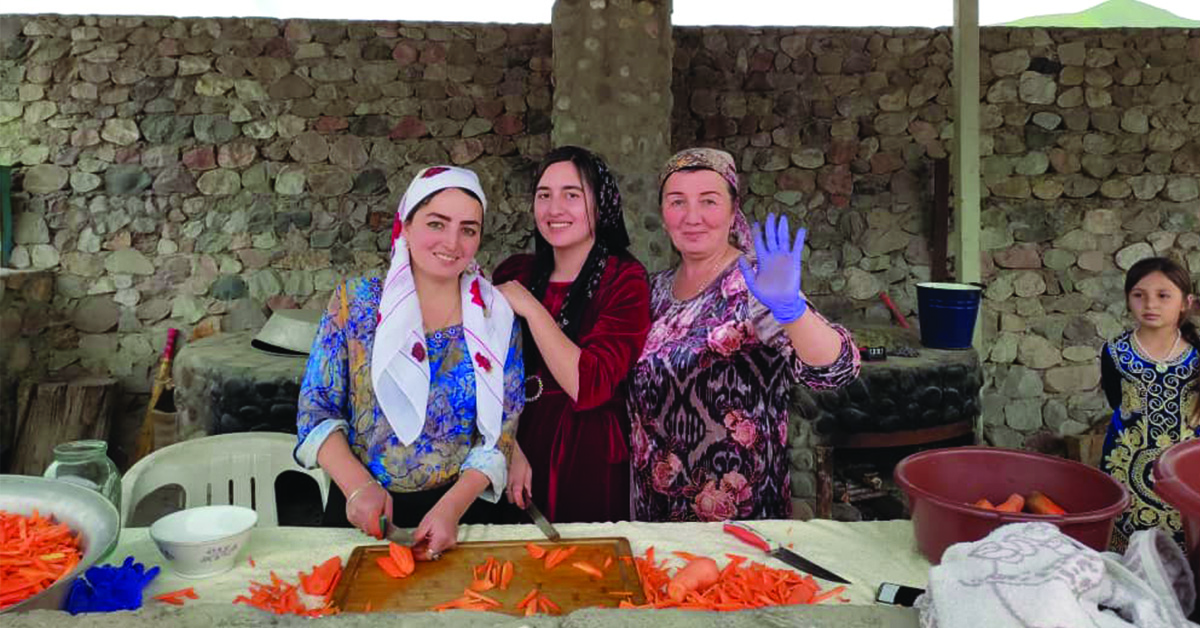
(237,469)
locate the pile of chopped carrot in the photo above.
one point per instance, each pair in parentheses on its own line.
(491,574)
(323,579)
(177,597)
(283,598)
(737,586)
(34,553)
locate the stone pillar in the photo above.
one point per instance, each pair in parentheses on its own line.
(612,94)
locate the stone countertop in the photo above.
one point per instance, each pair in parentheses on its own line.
(866,553)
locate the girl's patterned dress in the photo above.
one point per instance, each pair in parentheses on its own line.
(1150,402)
(709,404)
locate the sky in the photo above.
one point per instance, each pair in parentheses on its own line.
(686,12)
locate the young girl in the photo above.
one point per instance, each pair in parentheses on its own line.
(585,303)
(1150,377)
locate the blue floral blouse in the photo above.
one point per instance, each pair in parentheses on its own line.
(337,395)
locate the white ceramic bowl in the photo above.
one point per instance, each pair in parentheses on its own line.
(203,541)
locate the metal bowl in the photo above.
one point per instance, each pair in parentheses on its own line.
(85,511)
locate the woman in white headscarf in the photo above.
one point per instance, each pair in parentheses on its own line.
(415,381)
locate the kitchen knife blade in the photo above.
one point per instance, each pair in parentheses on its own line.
(396,535)
(541,521)
(750,536)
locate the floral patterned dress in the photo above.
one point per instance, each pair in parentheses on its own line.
(337,394)
(708,402)
(1149,401)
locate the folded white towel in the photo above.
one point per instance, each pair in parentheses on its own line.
(1031,575)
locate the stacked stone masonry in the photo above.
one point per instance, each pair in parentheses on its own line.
(190,172)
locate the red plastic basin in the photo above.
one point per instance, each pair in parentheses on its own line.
(1177,482)
(942,483)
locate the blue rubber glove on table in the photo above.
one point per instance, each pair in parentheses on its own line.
(108,588)
(776,280)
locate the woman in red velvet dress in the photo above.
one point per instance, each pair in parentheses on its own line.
(585,302)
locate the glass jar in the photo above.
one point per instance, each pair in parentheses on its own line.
(86,463)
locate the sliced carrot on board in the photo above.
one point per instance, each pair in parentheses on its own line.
(557,556)
(403,557)
(608,561)
(533,593)
(537,552)
(588,568)
(481,585)
(506,574)
(548,605)
(481,597)
(389,567)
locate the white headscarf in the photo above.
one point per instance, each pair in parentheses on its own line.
(399,358)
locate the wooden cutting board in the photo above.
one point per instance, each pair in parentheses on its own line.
(363,582)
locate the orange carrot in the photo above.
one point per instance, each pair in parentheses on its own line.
(481,597)
(481,585)
(36,553)
(1039,504)
(536,551)
(533,593)
(698,575)
(984,503)
(608,561)
(1014,503)
(588,568)
(403,557)
(548,605)
(389,567)
(558,555)
(252,565)
(506,575)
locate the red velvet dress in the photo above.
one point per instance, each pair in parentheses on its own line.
(579,450)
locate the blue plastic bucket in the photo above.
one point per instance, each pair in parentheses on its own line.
(947,312)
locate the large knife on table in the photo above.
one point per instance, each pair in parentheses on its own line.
(540,520)
(749,535)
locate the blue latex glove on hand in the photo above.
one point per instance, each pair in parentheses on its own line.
(776,282)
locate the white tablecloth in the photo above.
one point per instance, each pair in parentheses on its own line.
(865,553)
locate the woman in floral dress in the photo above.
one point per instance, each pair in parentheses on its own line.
(709,394)
(415,381)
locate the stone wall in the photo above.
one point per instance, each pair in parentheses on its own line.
(187,173)
(836,128)
(1091,149)
(1090,155)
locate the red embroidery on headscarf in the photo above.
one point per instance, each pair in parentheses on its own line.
(483,362)
(418,351)
(397,227)
(433,172)
(476,294)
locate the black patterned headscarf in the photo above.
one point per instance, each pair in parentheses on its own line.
(611,237)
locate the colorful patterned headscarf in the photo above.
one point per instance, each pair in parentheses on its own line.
(399,364)
(721,163)
(611,237)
